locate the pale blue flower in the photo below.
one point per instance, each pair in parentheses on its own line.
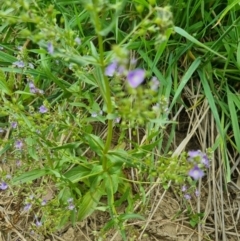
(50,48)
(77,40)
(27,207)
(187,196)
(3,186)
(197,193)
(19,144)
(111,69)
(135,77)
(43,109)
(196,173)
(184,188)
(19,64)
(14,125)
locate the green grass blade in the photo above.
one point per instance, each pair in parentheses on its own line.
(185,79)
(234,118)
(186,35)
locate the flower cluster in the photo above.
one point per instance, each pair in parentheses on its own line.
(134,77)
(199,160)
(35,90)
(71,205)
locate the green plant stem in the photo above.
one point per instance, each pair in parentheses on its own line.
(106,93)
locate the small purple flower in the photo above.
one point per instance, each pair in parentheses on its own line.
(19,64)
(120,70)
(135,77)
(71,206)
(205,161)
(111,69)
(44,202)
(77,40)
(50,48)
(14,125)
(197,193)
(38,223)
(18,163)
(196,173)
(184,188)
(27,207)
(43,109)
(32,87)
(193,154)
(154,83)
(3,186)
(19,144)
(187,196)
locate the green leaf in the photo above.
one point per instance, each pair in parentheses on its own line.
(226,10)
(3,84)
(77,173)
(234,117)
(30,176)
(89,203)
(72,145)
(185,79)
(183,33)
(95,143)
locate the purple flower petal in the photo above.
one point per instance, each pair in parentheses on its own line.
(205,161)
(187,196)
(193,154)
(50,48)
(184,188)
(196,173)
(111,69)
(38,223)
(135,77)
(27,207)
(19,144)
(197,193)
(71,206)
(43,109)
(19,64)
(3,186)
(18,163)
(14,125)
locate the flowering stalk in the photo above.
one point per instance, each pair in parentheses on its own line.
(107,94)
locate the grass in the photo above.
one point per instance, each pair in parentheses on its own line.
(90,161)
